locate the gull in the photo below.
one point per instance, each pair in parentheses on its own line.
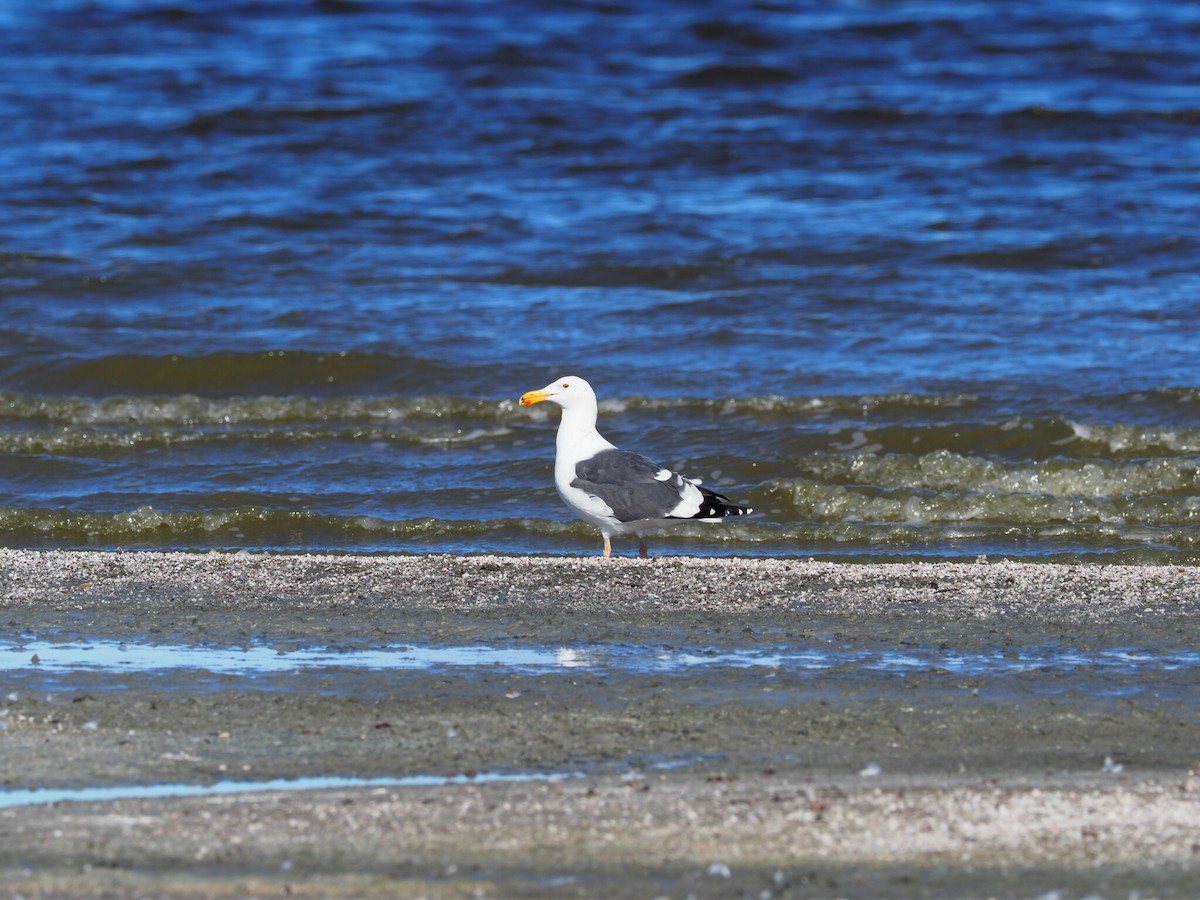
(619,491)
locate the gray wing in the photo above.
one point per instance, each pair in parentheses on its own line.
(627,482)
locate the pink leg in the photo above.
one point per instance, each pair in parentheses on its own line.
(607,547)
(644,551)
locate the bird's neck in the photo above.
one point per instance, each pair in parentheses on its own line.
(577,435)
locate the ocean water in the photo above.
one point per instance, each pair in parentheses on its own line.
(913,279)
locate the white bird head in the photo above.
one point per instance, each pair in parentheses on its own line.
(571,392)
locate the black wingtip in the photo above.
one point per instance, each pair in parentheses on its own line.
(712,510)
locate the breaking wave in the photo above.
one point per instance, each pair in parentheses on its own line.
(878,474)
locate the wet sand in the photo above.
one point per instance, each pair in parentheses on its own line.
(717,781)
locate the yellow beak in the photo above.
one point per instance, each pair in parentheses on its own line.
(531,397)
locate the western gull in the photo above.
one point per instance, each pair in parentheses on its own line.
(619,491)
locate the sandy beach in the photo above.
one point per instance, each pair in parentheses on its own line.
(714,780)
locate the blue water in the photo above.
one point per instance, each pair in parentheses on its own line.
(911,279)
(35,796)
(50,661)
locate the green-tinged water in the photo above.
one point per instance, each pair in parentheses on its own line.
(843,476)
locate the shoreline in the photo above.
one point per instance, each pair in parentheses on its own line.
(836,782)
(311,577)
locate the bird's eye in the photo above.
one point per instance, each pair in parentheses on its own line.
(566,384)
